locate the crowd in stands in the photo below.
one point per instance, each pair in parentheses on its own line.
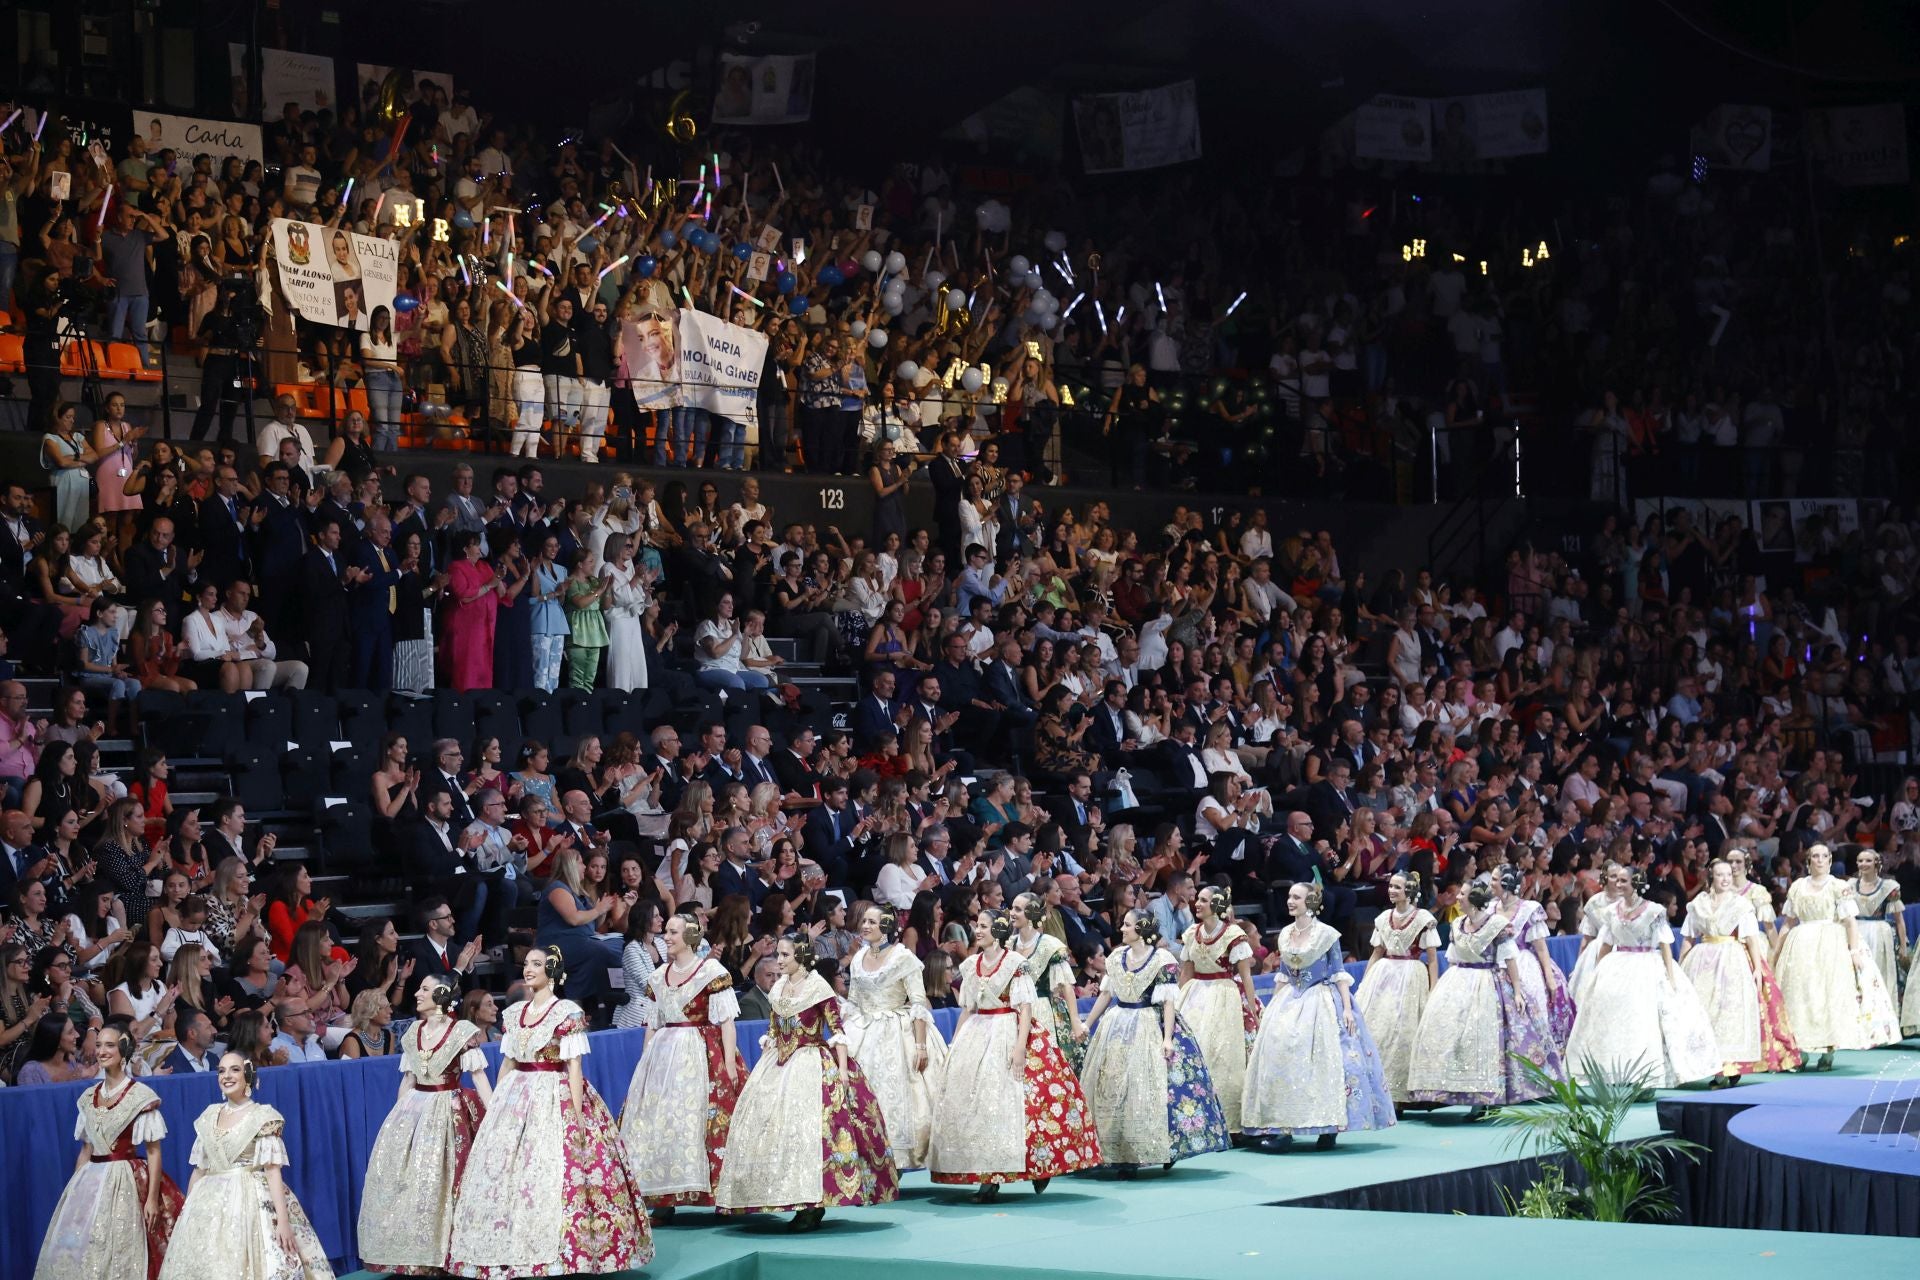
(1047,702)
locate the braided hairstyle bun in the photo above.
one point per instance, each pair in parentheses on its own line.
(1146,926)
(802,948)
(445,995)
(1480,893)
(691,930)
(1219,901)
(556,966)
(1000,927)
(888,920)
(1032,906)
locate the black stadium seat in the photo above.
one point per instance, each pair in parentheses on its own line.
(256,779)
(303,776)
(220,722)
(316,718)
(270,721)
(540,717)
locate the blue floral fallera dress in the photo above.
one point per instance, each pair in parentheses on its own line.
(1310,1074)
(1148,1108)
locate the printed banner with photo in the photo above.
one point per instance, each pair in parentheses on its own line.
(1389,127)
(335,277)
(1804,526)
(1860,146)
(674,357)
(304,79)
(720,365)
(1146,130)
(776,89)
(1734,136)
(436,85)
(192,136)
(1490,126)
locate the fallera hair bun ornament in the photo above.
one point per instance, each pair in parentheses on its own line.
(1480,892)
(556,966)
(1000,926)
(1146,926)
(889,921)
(249,1073)
(802,949)
(1410,880)
(1316,899)
(691,930)
(1638,879)
(445,996)
(1510,878)
(1033,907)
(1220,901)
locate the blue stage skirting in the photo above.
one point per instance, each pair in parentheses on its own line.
(333,1110)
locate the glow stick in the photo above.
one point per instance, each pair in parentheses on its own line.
(597,221)
(43,124)
(346,196)
(777,182)
(613,266)
(1066,271)
(749,297)
(10,119)
(106,202)
(926,262)
(464,273)
(501,285)
(509,265)
(1077,300)
(486,231)
(716,170)
(688,297)
(1120,316)
(1236,302)
(1160,294)
(1102,313)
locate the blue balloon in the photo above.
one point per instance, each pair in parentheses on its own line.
(668,239)
(645,264)
(588,244)
(797,305)
(461,218)
(785,282)
(707,242)
(831,276)
(404,302)
(743,251)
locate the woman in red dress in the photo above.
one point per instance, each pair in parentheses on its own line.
(474,590)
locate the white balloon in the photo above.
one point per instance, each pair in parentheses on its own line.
(871,260)
(1049,321)
(1056,241)
(858,328)
(893,303)
(896,262)
(970,380)
(932,281)
(1044,301)
(907,370)
(1018,264)
(877,339)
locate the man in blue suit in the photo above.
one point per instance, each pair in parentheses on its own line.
(374,598)
(831,831)
(878,713)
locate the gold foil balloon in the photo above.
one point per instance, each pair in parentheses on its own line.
(680,126)
(392,104)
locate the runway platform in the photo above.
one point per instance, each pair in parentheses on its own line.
(1239,1216)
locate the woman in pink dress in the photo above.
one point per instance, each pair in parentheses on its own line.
(474,592)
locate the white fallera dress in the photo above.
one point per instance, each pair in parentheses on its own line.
(98,1231)
(1598,907)
(680,1102)
(1632,1020)
(227,1228)
(881,1009)
(1722,974)
(413,1172)
(1309,1074)
(1834,1000)
(1212,1004)
(1875,925)
(1393,993)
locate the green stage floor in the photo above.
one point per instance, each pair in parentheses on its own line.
(1210,1219)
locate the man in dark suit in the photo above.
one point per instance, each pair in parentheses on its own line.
(1295,857)
(157,569)
(737,874)
(1353,746)
(878,713)
(1329,801)
(438,860)
(949,476)
(375,597)
(32,624)
(961,690)
(831,831)
(1000,677)
(326,581)
(667,762)
(277,536)
(412,517)
(433,954)
(193,1050)
(337,505)
(443,774)
(1018,516)
(19,858)
(1109,734)
(223,527)
(756,761)
(1180,765)
(799,784)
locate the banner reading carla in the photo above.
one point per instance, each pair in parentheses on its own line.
(332,276)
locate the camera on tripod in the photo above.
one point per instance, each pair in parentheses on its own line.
(247,319)
(80,307)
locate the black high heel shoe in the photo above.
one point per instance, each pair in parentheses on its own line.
(987,1193)
(1041,1184)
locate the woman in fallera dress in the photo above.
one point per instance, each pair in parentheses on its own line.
(807,1134)
(1881,921)
(1476,1020)
(1640,1018)
(680,1103)
(413,1173)
(1217,999)
(1720,946)
(1314,1069)
(1591,914)
(546,1190)
(1010,1108)
(1144,1076)
(241,1221)
(1050,966)
(1778,1049)
(1400,975)
(1832,991)
(890,1034)
(1540,978)
(118,1210)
